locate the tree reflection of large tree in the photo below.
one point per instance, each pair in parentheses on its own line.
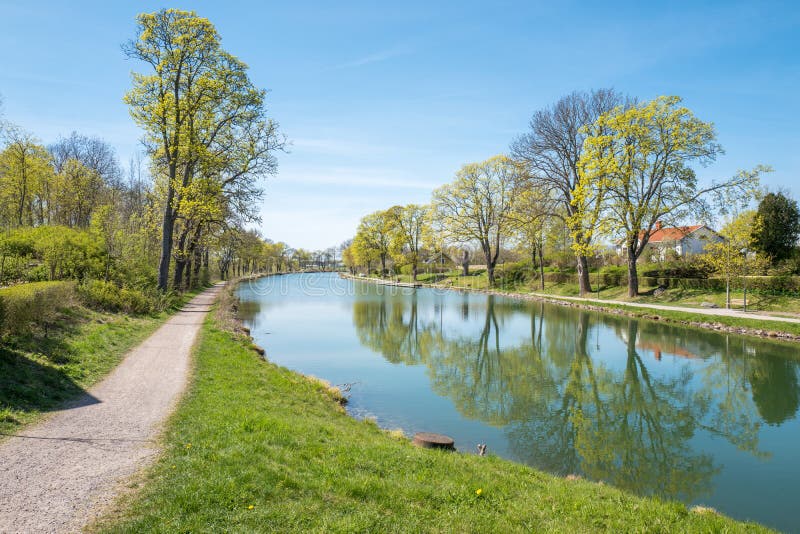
(568,412)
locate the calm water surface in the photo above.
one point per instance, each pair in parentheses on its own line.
(701,417)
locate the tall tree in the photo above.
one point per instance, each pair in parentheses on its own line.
(76,192)
(201,115)
(374,238)
(640,157)
(92,152)
(364,252)
(478,206)
(24,166)
(182,49)
(532,209)
(777,226)
(410,226)
(551,150)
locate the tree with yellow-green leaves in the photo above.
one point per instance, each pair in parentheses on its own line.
(532,214)
(735,257)
(202,117)
(24,169)
(550,152)
(76,192)
(478,206)
(638,161)
(364,252)
(373,239)
(410,226)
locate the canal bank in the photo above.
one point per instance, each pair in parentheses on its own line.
(749,324)
(256,447)
(701,416)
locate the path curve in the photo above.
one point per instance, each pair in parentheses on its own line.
(54,474)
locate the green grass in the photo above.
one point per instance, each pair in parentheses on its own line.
(41,371)
(254,447)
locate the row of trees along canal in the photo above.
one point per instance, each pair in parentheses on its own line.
(593,168)
(69,210)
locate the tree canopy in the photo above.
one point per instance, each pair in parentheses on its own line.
(776,226)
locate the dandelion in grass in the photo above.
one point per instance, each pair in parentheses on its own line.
(250,507)
(478,492)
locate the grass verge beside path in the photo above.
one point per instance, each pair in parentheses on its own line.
(40,373)
(254,447)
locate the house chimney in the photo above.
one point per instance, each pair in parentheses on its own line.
(658,226)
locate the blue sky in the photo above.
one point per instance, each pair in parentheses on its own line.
(385,101)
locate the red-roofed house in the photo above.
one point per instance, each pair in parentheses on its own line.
(682,241)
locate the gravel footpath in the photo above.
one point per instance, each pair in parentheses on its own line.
(53,475)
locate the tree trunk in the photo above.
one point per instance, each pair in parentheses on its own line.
(167,230)
(728,292)
(490,272)
(187,272)
(414,271)
(198,259)
(541,266)
(633,276)
(383,265)
(180,261)
(465,263)
(584,286)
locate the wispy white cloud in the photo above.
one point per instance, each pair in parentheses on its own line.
(356,177)
(376,57)
(342,145)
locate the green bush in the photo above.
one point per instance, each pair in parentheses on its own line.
(107,296)
(692,268)
(516,272)
(26,306)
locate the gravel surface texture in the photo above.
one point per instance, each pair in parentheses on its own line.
(55,474)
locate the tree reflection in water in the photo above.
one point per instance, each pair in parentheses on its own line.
(568,408)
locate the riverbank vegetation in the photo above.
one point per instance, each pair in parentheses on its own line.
(267,449)
(600,184)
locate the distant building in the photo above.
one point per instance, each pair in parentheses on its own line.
(679,242)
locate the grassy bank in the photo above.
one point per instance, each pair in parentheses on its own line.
(673,296)
(50,365)
(256,448)
(618,302)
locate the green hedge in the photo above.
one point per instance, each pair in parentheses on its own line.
(26,306)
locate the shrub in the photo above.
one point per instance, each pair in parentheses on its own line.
(107,296)
(692,268)
(516,272)
(26,306)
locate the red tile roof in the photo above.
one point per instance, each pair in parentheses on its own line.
(671,234)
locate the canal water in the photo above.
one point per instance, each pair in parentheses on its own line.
(701,417)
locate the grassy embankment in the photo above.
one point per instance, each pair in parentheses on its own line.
(254,447)
(617,299)
(52,360)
